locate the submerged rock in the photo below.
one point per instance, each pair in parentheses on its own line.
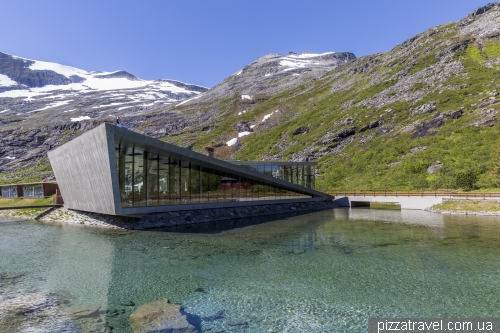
(160,316)
(29,303)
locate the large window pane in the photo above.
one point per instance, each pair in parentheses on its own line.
(9,191)
(163,181)
(196,193)
(185,184)
(214,182)
(152,180)
(140,177)
(174,182)
(125,177)
(33,191)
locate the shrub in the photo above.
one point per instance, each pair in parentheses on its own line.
(466,180)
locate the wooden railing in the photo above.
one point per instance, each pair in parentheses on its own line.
(29,206)
(450,194)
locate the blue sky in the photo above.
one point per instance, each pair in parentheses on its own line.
(203,42)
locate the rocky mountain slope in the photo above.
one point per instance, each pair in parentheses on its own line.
(44,104)
(248,87)
(422,115)
(272,74)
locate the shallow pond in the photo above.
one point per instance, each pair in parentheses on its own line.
(327,271)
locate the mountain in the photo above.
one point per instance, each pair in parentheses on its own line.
(245,89)
(423,115)
(271,74)
(420,116)
(43,105)
(30,86)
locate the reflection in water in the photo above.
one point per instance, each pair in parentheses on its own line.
(220,226)
(327,271)
(407,216)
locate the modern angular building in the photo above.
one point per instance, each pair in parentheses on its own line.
(112,170)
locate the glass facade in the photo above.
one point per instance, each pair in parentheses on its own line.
(302,174)
(148,179)
(33,191)
(9,191)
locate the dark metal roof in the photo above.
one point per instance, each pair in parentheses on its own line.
(274,163)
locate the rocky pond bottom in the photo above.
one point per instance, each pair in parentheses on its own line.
(327,271)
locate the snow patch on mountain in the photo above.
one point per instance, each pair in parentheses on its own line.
(306,55)
(56,104)
(80,118)
(267,116)
(6,81)
(243,134)
(232,142)
(190,99)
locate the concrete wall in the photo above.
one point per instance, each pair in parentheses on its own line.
(406,202)
(83,171)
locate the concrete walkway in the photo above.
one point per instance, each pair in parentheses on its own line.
(406,202)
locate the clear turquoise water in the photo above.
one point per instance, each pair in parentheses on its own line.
(321,272)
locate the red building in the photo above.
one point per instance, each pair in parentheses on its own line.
(233,184)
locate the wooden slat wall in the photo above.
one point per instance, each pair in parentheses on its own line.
(82,170)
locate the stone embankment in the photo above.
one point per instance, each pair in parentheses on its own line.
(489,205)
(168,219)
(460,212)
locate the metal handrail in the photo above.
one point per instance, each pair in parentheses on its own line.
(384,193)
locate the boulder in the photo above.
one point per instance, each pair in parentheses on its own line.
(434,166)
(456,114)
(300,130)
(243,126)
(373,124)
(160,316)
(425,129)
(425,108)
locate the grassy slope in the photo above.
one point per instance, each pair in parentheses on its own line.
(323,104)
(461,145)
(37,173)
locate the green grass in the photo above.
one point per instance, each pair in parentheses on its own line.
(492,50)
(474,52)
(385,205)
(8,202)
(469,206)
(25,212)
(459,144)
(41,170)
(373,90)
